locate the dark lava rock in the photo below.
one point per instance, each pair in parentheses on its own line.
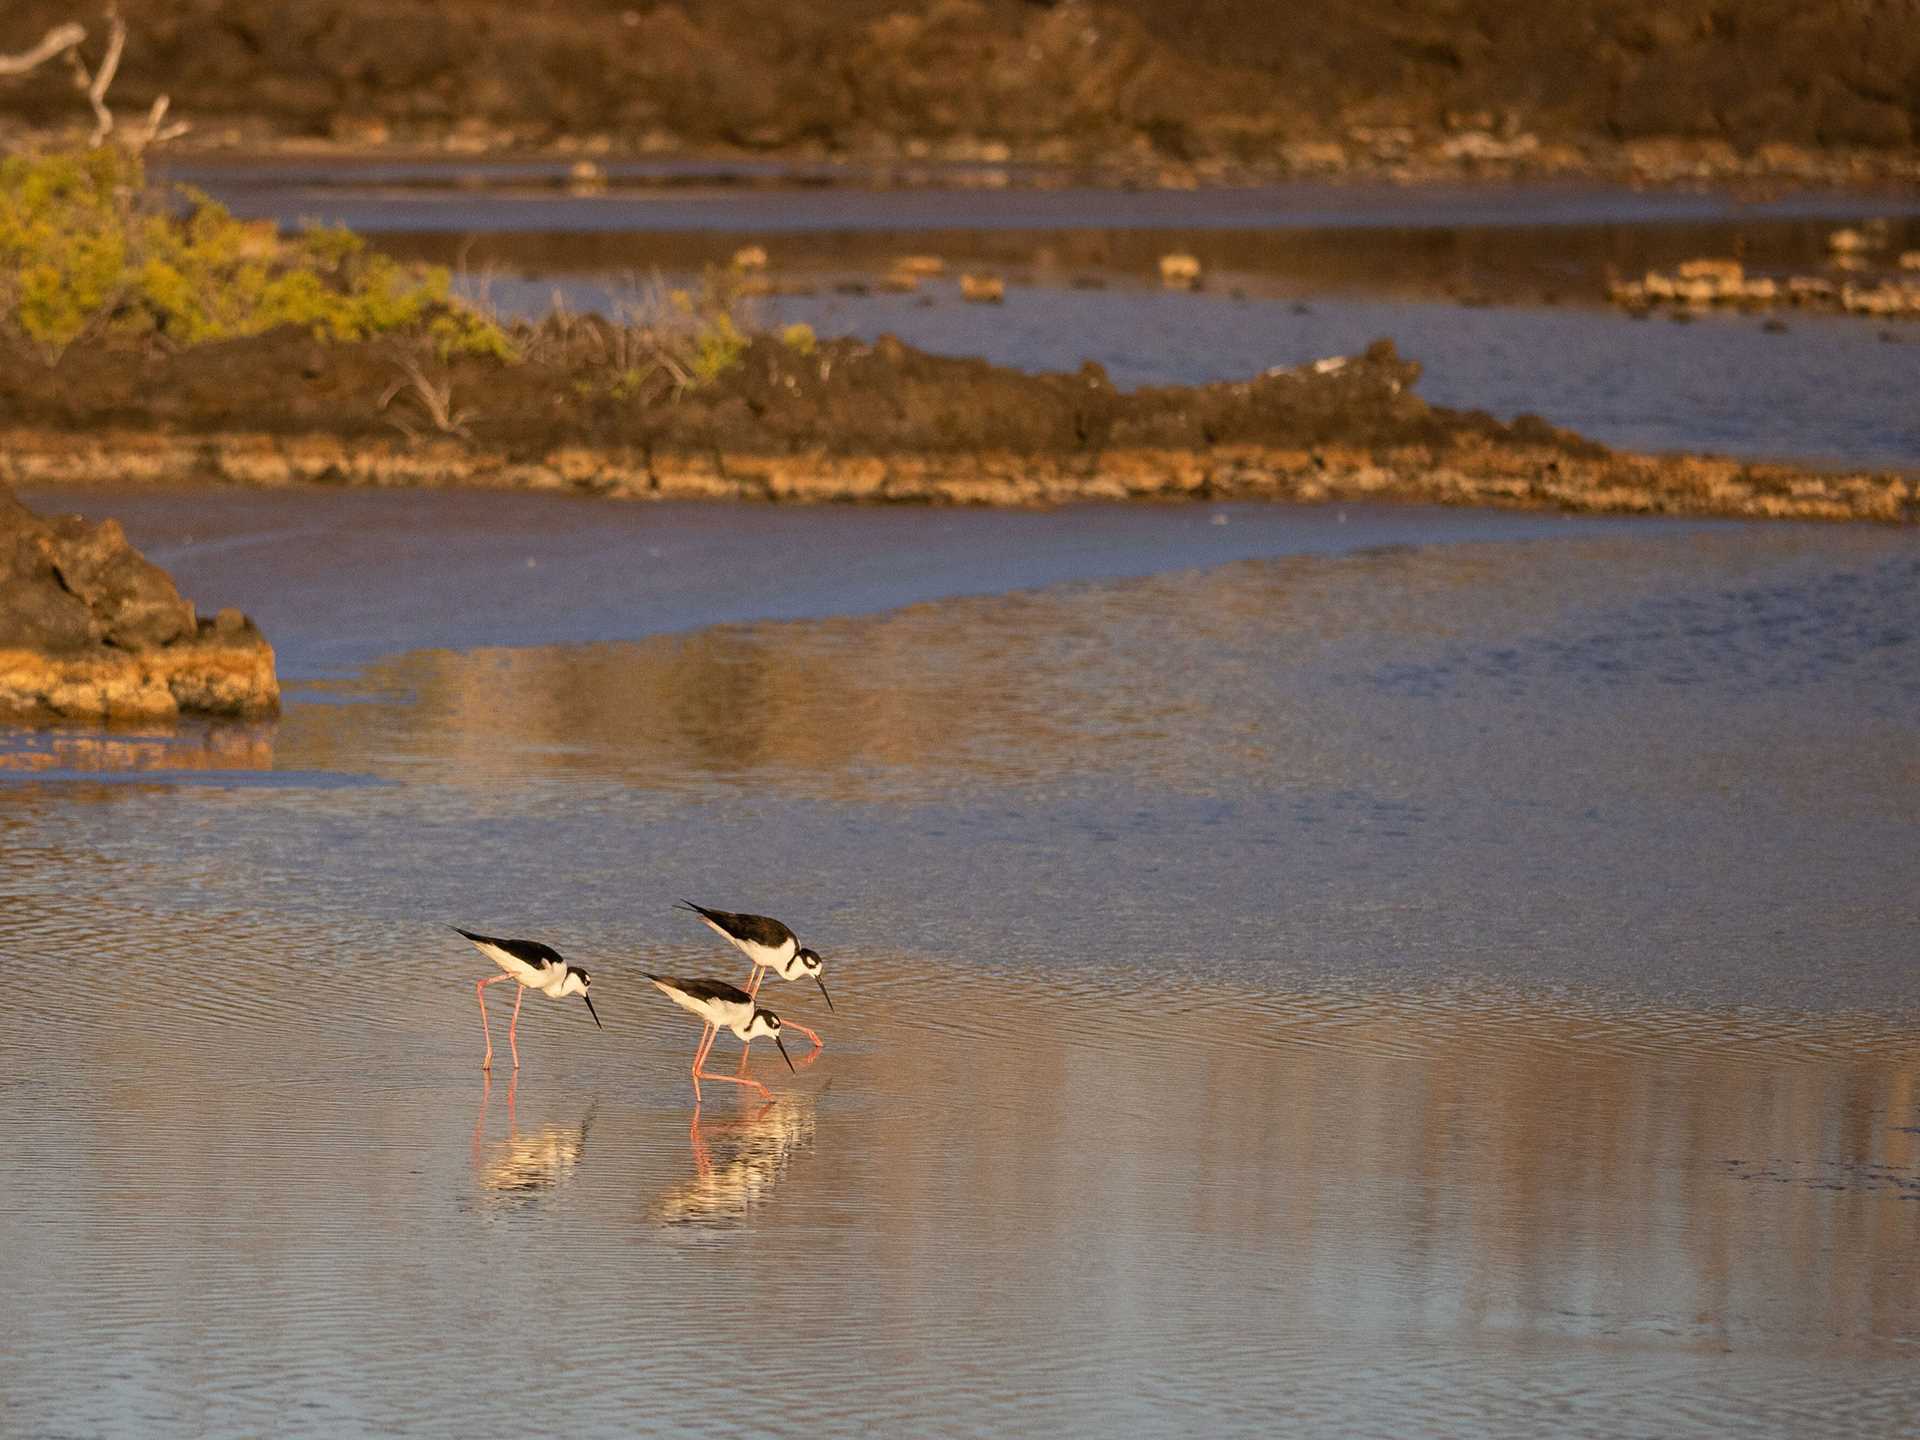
(89,628)
(132,599)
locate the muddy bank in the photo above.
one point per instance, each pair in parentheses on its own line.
(841,421)
(92,630)
(1171,92)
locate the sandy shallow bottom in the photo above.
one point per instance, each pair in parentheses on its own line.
(1456,982)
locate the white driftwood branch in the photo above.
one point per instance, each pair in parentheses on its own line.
(67,39)
(156,130)
(95,83)
(56,40)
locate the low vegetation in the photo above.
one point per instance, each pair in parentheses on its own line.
(90,251)
(661,342)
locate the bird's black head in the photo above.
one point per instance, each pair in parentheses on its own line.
(576,982)
(765,1022)
(811,963)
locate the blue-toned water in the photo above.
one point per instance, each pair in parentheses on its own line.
(1293,273)
(1378,971)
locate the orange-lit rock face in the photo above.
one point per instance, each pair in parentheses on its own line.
(90,629)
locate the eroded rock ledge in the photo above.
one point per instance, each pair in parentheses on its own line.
(850,421)
(1462,473)
(92,630)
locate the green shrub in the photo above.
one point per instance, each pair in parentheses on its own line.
(706,327)
(87,248)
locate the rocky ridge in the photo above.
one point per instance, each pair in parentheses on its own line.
(852,422)
(92,630)
(1819,90)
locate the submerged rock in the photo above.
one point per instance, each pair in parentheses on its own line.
(92,630)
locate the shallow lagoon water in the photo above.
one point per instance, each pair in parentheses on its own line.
(1414,973)
(1295,273)
(1831,389)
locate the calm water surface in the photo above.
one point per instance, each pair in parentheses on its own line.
(1295,272)
(1831,389)
(1396,972)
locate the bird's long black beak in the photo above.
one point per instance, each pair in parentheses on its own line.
(593,1012)
(783,1053)
(823,991)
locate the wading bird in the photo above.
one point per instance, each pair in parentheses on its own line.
(535,967)
(769,945)
(722,1006)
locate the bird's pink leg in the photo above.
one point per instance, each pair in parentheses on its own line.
(479,991)
(818,1044)
(753,989)
(706,1039)
(700,1074)
(519,994)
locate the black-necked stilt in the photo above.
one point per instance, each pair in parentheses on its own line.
(722,1006)
(769,945)
(535,967)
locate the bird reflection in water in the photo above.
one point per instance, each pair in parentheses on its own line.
(518,1171)
(737,1163)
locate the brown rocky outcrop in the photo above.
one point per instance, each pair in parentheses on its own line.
(849,421)
(92,630)
(1668,86)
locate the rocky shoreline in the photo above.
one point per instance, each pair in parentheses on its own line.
(1160,93)
(90,630)
(843,422)
(1470,472)
(1399,156)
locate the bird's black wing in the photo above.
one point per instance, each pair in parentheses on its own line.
(759,929)
(527,952)
(705,989)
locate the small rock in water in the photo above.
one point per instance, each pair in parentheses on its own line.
(1180,271)
(983,289)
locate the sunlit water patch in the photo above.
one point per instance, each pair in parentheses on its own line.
(1356,988)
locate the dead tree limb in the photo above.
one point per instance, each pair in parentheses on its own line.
(57,40)
(66,40)
(95,83)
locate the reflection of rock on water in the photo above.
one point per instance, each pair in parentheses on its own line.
(216,747)
(519,1170)
(737,1164)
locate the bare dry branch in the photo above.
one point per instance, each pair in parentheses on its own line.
(155,130)
(436,398)
(55,41)
(95,83)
